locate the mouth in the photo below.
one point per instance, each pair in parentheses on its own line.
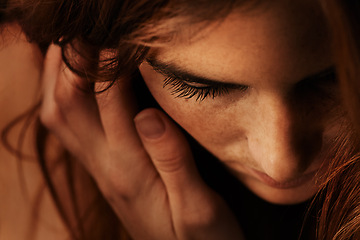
(294,183)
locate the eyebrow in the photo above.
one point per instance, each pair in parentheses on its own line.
(172,70)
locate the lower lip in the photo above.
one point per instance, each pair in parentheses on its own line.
(284,185)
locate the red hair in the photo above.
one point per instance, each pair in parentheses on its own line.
(129,28)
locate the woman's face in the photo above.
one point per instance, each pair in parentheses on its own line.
(251,90)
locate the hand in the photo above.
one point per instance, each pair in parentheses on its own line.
(144,167)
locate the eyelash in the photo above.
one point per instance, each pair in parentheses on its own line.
(179,88)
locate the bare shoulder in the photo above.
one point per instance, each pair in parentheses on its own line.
(20,69)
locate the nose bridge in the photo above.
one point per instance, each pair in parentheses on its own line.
(289,140)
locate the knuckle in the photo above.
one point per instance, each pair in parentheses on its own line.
(169,162)
(63,96)
(115,187)
(116,192)
(69,90)
(201,217)
(212,207)
(50,117)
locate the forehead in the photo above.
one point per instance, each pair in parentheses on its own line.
(283,34)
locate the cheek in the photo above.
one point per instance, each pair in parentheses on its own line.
(196,119)
(206,121)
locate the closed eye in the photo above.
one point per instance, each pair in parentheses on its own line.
(199,91)
(185,85)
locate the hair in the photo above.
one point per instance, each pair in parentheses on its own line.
(129,30)
(340,215)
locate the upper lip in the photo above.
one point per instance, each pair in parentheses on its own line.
(296,182)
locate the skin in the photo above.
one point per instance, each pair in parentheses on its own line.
(274,135)
(141,162)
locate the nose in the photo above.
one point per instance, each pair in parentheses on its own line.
(288,138)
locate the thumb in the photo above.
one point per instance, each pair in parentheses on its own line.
(169,151)
(194,205)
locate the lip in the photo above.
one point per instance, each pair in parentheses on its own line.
(294,183)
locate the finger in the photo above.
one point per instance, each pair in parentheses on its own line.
(170,153)
(68,111)
(129,161)
(117,109)
(197,212)
(50,114)
(50,73)
(78,106)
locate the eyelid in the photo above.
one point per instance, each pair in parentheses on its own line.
(182,90)
(195,84)
(188,81)
(198,85)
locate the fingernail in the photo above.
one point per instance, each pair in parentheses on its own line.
(150,126)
